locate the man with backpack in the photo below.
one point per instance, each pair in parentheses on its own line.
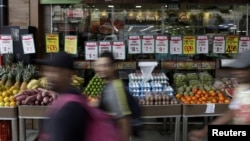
(114,99)
(70,116)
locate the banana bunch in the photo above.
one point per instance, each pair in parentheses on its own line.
(77,81)
(33,84)
(43,82)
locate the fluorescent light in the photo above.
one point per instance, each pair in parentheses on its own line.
(166,5)
(110,6)
(138,6)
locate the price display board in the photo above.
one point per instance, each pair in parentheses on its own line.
(148,44)
(52,43)
(219,44)
(134,45)
(244,44)
(232,44)
(175,45)
(118,49)
(28,44)
(70,44)
(91,50)
(202,45)
(189,45)
(161,44)
(6,44)
(104,46)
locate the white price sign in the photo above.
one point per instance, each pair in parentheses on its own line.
(104,46)
(91,50)
(176,45)
(119,50)
(28,44)
(219,44)
(6,44)
(244,44)
(134,45)
(202,45)
(148,44)
(161,44)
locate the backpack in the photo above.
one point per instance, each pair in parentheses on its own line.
(135,108)
(101,126)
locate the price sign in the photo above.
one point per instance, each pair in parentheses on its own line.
(134,45)
(232,44)
(52,43)
(70,45)
(244,44)
(219,44)
(91,50)
(161,44)
(202,45)
(148,44)
(189,45)
(119,50)
(175,45)
(6,44)
(28,44)
(104,46)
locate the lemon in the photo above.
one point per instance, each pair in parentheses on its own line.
(1,104)
(14,92)
(4,94)
(6,99)
(11,98)
(6,104)
(1,99)
(12,103)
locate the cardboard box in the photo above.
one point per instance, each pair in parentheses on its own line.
(161,110)
(8,112)
(32,111)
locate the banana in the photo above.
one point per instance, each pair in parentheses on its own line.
(35,86)
(32,83)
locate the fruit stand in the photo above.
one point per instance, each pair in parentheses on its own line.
(10,113)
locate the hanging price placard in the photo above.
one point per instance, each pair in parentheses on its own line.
(189,45)
(6,44)
(161,44)
(244,44)
(134,45)
(91,50)
(219,44)
(175,45)
(148,44)
(70,44)
(232,44)
(119,50)
(28,44)
(202,45)
(104,46)
(52,43)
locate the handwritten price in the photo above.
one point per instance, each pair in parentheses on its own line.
(188,49)
(231,49)
(52,48)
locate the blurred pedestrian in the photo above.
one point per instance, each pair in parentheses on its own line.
(242,72)
(113,99)
(69,122)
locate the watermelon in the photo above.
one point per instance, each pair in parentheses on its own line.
(229,91)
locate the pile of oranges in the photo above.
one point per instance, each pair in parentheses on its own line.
(203,97)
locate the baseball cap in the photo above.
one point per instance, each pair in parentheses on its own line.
(242,61)
(60,59)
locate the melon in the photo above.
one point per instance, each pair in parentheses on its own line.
(229,91)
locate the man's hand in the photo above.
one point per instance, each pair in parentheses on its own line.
(197,135)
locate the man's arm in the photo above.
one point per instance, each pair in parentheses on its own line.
(69,123)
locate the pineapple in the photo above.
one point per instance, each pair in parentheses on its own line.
(19,73)
(9,81)
(27,75)
(4,77)
(8,59)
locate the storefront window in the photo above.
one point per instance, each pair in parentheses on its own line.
(116,22)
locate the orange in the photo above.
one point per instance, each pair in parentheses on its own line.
(227,101)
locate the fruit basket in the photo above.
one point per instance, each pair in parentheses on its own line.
(204,109)
(161,110)
(32,111)
(8,112)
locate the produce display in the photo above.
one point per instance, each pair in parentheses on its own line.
(226,85)
(38,96)
(201,94)
(158,98)
(94,87)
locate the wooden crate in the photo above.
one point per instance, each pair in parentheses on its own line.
(8,112)
(32,111)
(204,109)
(161,110)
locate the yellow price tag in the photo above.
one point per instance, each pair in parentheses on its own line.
(189,45)
(232,44)
(52,43)
(70,44)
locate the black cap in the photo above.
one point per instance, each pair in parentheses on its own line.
(242,60)
(60,59)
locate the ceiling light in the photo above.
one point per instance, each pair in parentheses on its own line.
(138,6)
(110,6)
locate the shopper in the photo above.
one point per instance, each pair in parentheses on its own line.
(69,123)
(242,72)
(113,99)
